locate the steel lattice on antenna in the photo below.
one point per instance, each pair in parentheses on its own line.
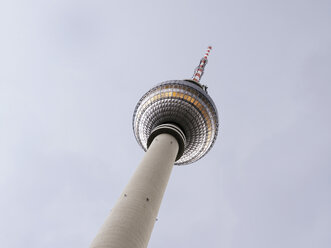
(201,67)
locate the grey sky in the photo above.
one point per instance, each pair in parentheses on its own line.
(72,72)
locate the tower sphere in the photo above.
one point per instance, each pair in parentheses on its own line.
(187,105)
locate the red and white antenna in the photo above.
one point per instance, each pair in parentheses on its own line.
(201,67)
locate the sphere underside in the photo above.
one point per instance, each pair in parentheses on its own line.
(182,103)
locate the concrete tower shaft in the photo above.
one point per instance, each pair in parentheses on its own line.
(131,221)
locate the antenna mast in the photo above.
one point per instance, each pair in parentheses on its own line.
(201,67)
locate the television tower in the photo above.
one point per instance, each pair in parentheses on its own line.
(175,122)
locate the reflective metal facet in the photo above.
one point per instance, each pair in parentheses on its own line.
(185,104)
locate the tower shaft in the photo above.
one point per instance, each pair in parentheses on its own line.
(131,221)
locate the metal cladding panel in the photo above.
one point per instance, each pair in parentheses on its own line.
(185,104)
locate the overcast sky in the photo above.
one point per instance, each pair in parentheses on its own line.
(72,72)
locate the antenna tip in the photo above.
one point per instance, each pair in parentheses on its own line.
(207,52)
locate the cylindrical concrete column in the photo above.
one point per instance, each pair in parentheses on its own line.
(131,221)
